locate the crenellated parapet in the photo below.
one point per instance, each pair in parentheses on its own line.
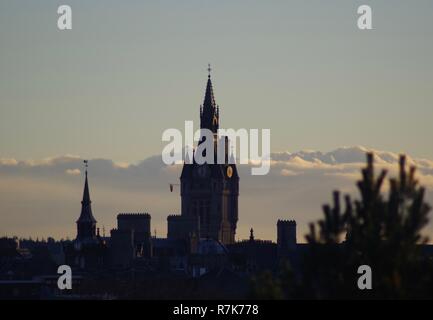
(137,222)
(133,215)
(286,222)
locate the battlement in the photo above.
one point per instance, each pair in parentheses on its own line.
(173,216)
(133,215)
(286,222)
(286,235)
(139,222)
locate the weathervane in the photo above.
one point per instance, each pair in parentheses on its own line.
(209,69)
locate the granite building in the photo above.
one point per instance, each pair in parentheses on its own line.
(209,191)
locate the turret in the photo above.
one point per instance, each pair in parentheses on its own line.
(286,235)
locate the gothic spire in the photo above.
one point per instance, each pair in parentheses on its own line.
(209,99)
(209,113)
(86,208)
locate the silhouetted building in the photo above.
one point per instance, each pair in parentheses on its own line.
(182,227)
(88,251)
(131,239)
(199,253)
(209,192)
(253,255)
(139,224)
(286,236)
(209,255)
(86,223)
(122,248)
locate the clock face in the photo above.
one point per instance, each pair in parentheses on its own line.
(229,171)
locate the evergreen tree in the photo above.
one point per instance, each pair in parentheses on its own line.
(383,233)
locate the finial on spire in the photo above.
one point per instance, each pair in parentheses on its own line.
(209,69)
(86,165)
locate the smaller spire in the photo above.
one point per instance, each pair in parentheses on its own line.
(86,209)
(86,194)
(251,234)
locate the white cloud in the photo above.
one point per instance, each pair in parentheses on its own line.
(122,165)
(73,172)
(296,187)
(8,162)
(289,173)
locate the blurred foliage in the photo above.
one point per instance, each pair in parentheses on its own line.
(381,232)
(267,286)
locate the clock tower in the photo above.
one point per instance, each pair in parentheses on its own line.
(209,192)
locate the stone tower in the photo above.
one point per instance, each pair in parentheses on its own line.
(286,235)
(210,191)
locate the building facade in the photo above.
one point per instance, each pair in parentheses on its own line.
(209,191)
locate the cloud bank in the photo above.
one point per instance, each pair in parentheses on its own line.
(42,197)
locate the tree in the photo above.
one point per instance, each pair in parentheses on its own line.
(384,234)
(381,232)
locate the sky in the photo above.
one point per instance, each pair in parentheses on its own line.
(128,70)
(41,198)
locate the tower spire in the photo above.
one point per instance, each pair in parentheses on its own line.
(209,115)
(86,223)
